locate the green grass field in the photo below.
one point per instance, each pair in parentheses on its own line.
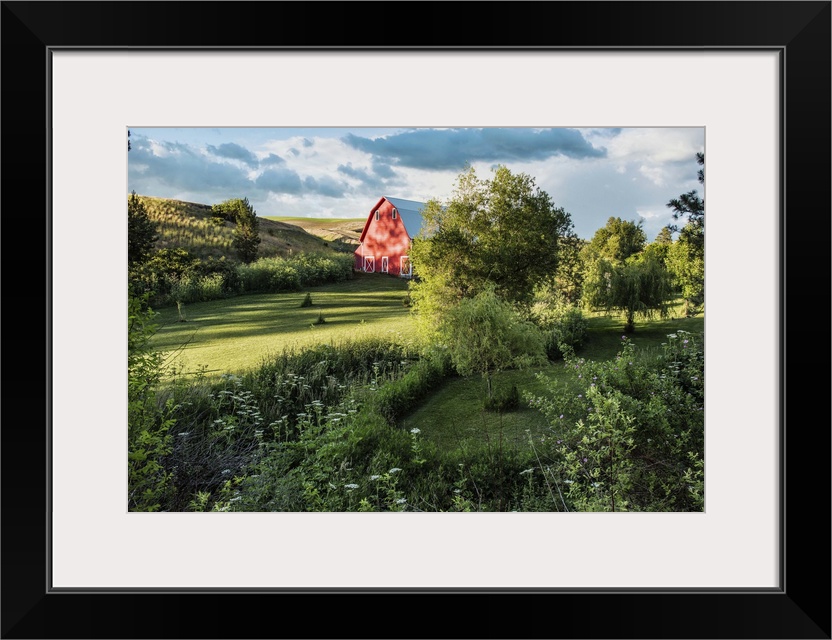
(236,334)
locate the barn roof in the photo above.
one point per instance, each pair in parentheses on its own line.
(411,213)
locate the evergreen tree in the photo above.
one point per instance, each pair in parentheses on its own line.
(246,237)
(141,231)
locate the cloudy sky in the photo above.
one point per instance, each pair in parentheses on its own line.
(594,174)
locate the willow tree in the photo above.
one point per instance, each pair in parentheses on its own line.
(640,286)
(485,335)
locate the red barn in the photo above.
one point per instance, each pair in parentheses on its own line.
(384,244)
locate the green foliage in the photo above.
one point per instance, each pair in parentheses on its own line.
(148,427)
(664,237)
(485,335)
(276,275)
(628,434)
(225,428)
(176,275)
(686,258)
(686,262)
(141,231)
(622,276)
(615,242)
(503,399)
(562,322)
(398,397)
(569,276)
(246,237)
(690,205)
(504,232)
(171,276)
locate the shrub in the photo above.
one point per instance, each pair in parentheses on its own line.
(148,425)
(562,322)
(398,397)
(307,301)
(629,433)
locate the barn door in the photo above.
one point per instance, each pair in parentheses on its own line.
(369,264)
(384,262)
(406,267)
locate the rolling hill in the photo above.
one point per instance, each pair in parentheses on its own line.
(346,230)
(188,225)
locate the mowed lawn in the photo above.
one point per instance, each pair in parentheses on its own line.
(233,335)
(453,417)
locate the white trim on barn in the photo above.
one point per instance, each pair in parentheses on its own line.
(369,264)
(385,262)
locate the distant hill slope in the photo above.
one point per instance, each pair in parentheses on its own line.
(346,230)
(188,225)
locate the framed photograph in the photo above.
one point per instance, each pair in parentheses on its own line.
(755,76)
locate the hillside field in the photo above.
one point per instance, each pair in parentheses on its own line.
(188,225)
(346,230)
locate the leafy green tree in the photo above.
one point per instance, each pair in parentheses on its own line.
(504,231)
(686,258)
(246,237)
(686,261)
(141,231)
(660,247)
(616,241)
(639,286)
(569,275)
(485,335)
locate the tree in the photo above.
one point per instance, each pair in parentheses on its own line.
(141,231)
(660,247)
(569,275)
(686,262)
(246,238)
(639,286)
(504,232)
(689,205)
(686,258)
(664,237)
(616,241)
(484,335)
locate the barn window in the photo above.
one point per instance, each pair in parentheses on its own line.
(384,263)
(378,214)
(395,213)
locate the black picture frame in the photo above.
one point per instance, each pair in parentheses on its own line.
(800,608)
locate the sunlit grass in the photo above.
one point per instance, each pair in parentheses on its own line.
(236,334)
